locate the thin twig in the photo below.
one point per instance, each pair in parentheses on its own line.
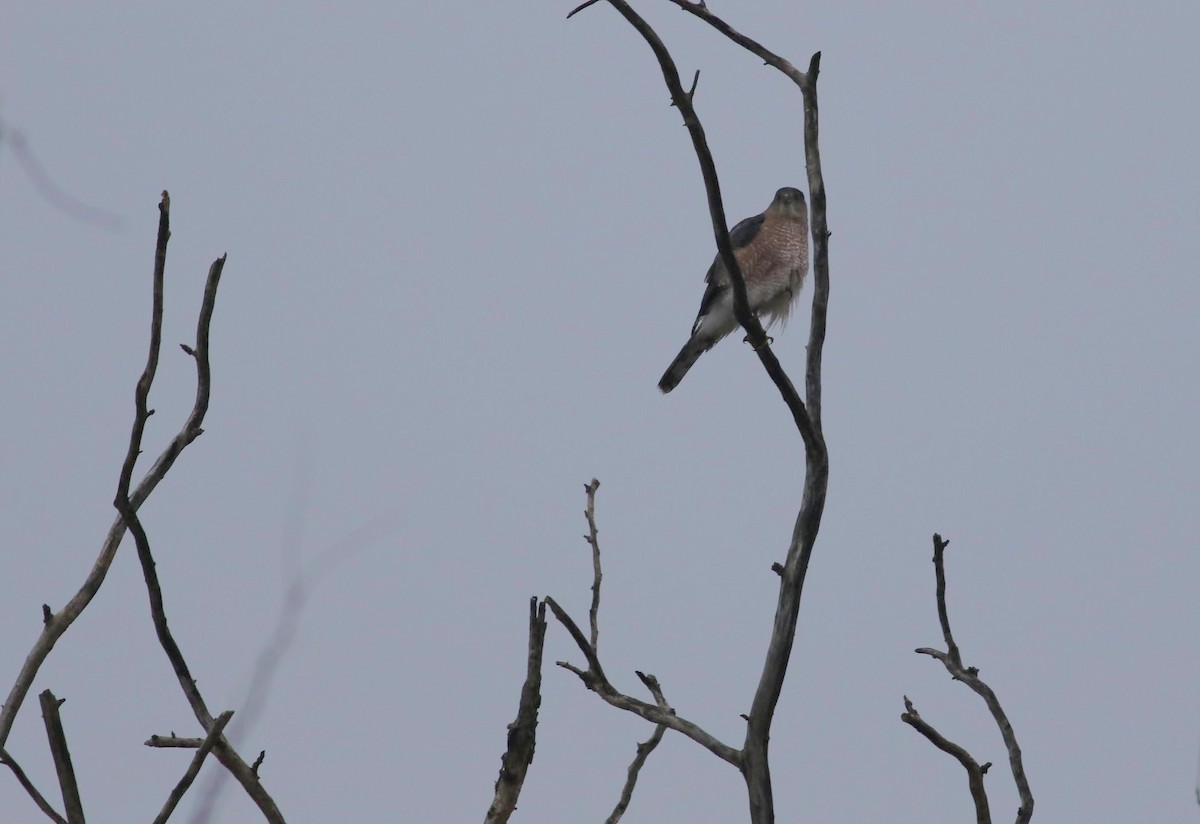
(595,679)
(952,661)
(594,540)
(191,430)
(581,7)
(643,751)
(522,732)
(23,780)
(72,804)
(975,770)
(206,745)
(754,47)
(57,623)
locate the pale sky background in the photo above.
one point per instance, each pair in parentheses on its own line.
(464,241)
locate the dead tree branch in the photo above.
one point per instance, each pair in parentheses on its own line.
(522,732)
(755,333)
(23,780)
(952,660)
(593,539)
(752,759)
(72,803)
(123,501)
(594,679)
(643,749)
(57,623)
(193,770)
(975,770)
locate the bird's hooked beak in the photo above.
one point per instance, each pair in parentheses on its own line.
(790,201)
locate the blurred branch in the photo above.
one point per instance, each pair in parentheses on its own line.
(51,192)
(522,732)
(23,780)
(205,747)
(72,803)
(806,414)
(952,661)
(302,578)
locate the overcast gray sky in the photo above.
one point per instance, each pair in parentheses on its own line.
(464,241)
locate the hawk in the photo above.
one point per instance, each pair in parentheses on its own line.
(772,252)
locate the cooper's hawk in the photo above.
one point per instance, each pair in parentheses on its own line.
(772,252)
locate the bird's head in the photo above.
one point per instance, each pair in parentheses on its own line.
(790,202)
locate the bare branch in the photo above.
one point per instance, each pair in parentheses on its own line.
(23,780)
(643,751)
(173,741)
(190,431)
(594,540)
(939,567)
(768,57)
(755,333)
(581,7)
(975,771)
(72,803)
(55,624)
(594,679)
(206,745)
(806,414)
(522,732)
(952,661)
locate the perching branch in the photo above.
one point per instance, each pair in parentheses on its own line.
(62,757)
(753,759)
(522,732)
(952,660)
(755,334)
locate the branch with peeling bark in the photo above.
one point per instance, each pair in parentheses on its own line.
(522,732)
(62,757)
(952,660)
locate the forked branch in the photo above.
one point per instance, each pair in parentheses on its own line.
(806,414)
(952,660)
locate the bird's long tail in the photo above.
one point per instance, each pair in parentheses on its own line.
(679,367)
